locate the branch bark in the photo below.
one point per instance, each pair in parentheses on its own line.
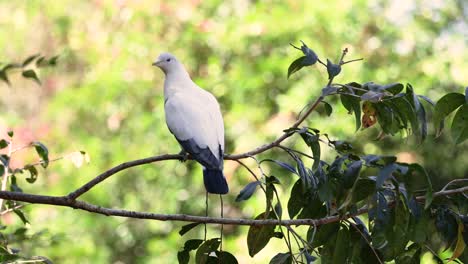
(76,204)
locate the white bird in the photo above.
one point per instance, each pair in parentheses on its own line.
(193,116)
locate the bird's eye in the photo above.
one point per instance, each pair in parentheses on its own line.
(168,60)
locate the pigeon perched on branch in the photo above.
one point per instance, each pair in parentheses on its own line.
(193,116)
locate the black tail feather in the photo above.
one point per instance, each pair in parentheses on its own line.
(215,181)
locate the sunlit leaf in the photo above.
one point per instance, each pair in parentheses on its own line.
(460,124)
(446,105)
(460,245)
(43,153)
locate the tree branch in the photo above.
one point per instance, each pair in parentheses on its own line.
(76,204)
(106,174)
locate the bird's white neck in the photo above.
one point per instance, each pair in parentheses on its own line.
(177,80)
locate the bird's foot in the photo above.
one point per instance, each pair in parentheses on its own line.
(185,156)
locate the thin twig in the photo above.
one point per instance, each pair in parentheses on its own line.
(12,209)
(454,182)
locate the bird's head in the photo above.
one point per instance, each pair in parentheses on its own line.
(167,62)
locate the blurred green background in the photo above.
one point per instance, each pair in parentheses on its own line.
(105,98)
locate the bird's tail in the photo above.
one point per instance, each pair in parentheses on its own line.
(215,182)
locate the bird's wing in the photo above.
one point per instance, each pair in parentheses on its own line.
(193,119)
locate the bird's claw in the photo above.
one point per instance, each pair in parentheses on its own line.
(184,155)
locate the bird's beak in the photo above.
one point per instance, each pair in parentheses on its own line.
(156,63)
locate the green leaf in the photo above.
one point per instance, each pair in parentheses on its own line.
(296,65)
(295,202)
(14,186)
(31,74)
(328,108)
(352,104)
(460,124)
(332,69)
(20,214)
(393,88)
(385,173)
(406,112)
(10,133)
(341,246)
(3,143)
(205,249)
(248,191)
(466,95)
(187,228)
(192,244)
(446,105)
(53,60)
(183,257)
(313,142)
(43,153)
(226,257)
(259,236)
(40,62)
(372,96)
(324,234)
(32,173)
(418,169)
(351,173)
(30,59)
(363,188)
(11,66)
(427,99)
(5,159)
(282,164)
(460,245)
(328,90)
(281,258)
(4,77)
